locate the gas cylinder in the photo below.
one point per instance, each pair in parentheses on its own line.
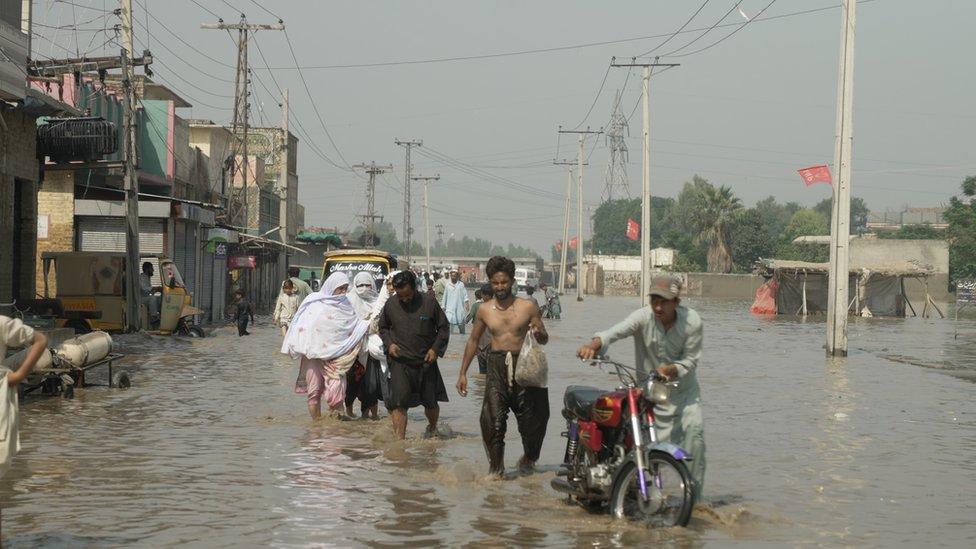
(83,350)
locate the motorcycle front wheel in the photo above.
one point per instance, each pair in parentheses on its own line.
(669,499)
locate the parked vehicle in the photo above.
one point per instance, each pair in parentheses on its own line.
(526,277)
(613,457)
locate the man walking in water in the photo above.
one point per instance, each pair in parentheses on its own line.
(668,341)
(508,319)
(456,302)
(415,332)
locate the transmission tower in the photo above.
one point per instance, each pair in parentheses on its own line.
(369,220)
(616,177)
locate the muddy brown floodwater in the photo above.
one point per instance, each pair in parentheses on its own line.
(210,447)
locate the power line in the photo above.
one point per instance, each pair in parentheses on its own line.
(315,107)
(182,40)
(675,33)
(266,10)
(551,49)
(599,92)
(708,30)
(727,36)
(206,9)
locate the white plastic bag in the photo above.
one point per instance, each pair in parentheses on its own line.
(532,369)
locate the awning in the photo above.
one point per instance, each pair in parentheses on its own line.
(261,242)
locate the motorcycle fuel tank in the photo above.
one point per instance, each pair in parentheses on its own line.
(608,409)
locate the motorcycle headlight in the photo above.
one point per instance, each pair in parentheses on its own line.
(656,391)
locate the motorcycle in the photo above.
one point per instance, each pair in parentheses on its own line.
(552,309)
(613,457)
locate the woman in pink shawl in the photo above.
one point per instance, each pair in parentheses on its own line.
(326,335)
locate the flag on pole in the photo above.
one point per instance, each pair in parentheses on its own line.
(573,242)
(633,229)
(816,174)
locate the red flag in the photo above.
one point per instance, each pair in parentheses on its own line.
(573,242)
(816,174)
(633,229)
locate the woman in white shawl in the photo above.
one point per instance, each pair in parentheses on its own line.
(365,382)
(326,335)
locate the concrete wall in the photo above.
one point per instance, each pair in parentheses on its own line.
(55,201)
(18,173)
(930,254)
(739,286)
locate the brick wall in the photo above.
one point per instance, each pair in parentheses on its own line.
(18,168)
(55,199)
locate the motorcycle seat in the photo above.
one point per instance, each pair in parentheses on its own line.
(578,400)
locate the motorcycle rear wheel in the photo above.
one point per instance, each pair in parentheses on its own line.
(670,500)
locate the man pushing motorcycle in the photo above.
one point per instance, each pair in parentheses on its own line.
(667,340)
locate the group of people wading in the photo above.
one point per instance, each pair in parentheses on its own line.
(354,342)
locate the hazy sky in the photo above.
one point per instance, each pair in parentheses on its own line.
(746,113)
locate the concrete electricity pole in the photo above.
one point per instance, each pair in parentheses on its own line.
(581,137)
(242,105)
(131,183)
(645,278)
(837,293)
(370,218)
(407,227)
(283,173)
(427,180)
(565,240)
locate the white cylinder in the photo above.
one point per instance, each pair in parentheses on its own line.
(14,361)
(84,350)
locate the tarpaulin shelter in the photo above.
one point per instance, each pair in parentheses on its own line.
(800,288)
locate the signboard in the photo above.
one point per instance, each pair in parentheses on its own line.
(242,262)
(377,268)
(42,224)
(220,250)
(966,291)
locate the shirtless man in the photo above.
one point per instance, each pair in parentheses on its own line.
(508,319)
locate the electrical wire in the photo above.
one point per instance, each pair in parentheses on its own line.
(266,10)
(599,92)
(182,40)
(729,35)
(707,31)
(675,33)
(206,9)
(315,107)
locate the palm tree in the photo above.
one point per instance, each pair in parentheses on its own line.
(714,211)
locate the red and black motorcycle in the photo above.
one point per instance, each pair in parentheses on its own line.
(613,457)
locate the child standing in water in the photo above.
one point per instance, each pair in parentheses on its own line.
(286,307)
(244,312)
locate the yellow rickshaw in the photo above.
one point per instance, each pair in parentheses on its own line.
(377,263)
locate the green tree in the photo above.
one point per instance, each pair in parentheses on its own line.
(914,232)
(961,232)
(750,239)
(806,222)
(776,216)
(859,213)
(716,207)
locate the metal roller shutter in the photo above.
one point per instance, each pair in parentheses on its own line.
(205,300)
(107,234)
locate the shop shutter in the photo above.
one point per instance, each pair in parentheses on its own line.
(107,234)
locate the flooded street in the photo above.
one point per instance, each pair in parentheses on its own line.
(210,447)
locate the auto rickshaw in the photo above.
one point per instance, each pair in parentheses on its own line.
(377,263)
(176,311)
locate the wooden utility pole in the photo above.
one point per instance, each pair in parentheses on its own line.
(370,218)
(427,180)
(133,301)
(581,137)
(838,304)
(407,227)
(283,182)
(242,106)
(645,249)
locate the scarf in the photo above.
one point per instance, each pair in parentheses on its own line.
(363,299)
(325,326)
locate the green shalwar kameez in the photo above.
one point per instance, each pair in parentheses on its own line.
(680,420)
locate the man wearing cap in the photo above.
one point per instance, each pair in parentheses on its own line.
(667,340)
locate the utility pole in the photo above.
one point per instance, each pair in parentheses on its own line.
(565,241)
(440,231)
(645,278)
(427,212)
(581,137)
(283,183)
(370,218)
(407,227)
(131,181)
(242,105)
(837,293)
